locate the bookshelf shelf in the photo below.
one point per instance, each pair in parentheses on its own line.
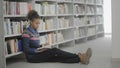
(91,35)
(14,54)
(89,14)
(65,41)
(65,28)
(14,35)
(82,3)
(100,32)
(99,24)
(65,14)
(64,1)
(99,5)
(80,37)
(48,15)
(47,31)
(91,4)
(14,16)
(91,25)
(79,14)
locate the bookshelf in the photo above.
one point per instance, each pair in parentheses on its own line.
(64,21)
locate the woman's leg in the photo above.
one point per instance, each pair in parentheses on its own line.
(55,55)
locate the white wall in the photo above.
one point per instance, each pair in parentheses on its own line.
(115,28)
(107,17)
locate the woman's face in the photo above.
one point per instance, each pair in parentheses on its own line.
(35,23)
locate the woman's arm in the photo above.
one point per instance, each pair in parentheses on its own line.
(26,45)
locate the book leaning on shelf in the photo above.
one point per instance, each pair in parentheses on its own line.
(16,8)
(45,8)
(91,31)
(90,1)
(63,9)
(79,9)
(14,27)
(47,39)
(60,37)
(13,46)
(90,10)
(79,21)
(63,22)
(79,32)
(99,19)
(46,24)
(91,20)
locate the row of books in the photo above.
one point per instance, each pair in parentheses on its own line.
(81,1)
(48,38)
(63,22)
(45,8)
(46,24)
(91,20)
(99,10)
(99,1)
(99,19)
(90,1)
(60,36)
(14,27)
(79,32)
(99,28)
(13,46)
(79,9)
(79,21)
(91,31)
(16,8)
(63,8)
(90,10)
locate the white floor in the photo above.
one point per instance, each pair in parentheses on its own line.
(101,57)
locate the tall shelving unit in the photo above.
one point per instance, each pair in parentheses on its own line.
(81,20)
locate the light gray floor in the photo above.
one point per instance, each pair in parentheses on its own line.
(101,57)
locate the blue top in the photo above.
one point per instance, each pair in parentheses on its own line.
(30,41)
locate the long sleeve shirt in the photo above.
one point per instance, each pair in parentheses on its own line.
(30,41)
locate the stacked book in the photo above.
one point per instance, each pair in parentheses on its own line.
(45,8)
(99,19)
(91,20)
(60,37)
(46,24)
(16,8)
(99,28)
(99,10)
(90,1)
(91,31)
(79,9)
(76,33)
(48,38)
(63,8)
(90,10)
(99,1)
(13,46)
(14,27)
(79,21)
(79,32)
(63,22)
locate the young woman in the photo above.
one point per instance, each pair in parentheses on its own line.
(33,53)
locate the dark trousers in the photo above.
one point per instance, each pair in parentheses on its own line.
(55,55)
